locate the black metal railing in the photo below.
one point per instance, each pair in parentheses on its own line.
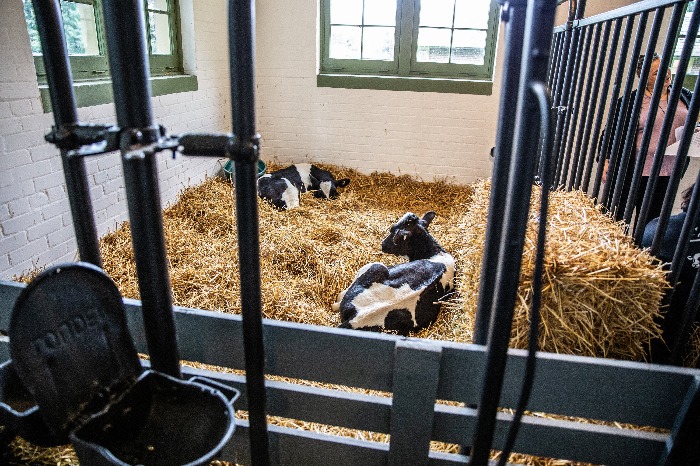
(599,145)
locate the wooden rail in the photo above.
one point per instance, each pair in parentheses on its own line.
(415,373)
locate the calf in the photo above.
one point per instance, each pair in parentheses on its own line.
(282,187)
(404,297)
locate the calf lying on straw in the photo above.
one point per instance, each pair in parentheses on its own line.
(404,297)
(281,188)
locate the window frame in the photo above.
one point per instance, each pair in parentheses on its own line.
(404,73)
(96,67)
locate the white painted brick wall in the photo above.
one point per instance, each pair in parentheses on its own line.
(35,222)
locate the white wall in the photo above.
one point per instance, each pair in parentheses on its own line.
(424,134)
(35,221)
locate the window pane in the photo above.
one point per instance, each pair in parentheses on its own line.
(159,33)
(437,13)
(346,12)
(79,28)
(434,45)
(158,5)
(380,12)
(345,42)
(31,27)
(472,14)
(378,43)
(469,47)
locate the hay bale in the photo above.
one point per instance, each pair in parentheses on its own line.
(310,254)
(600,295)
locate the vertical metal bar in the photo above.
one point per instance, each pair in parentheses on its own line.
(618,161)
(514,17)
(573,84)
(688,130)
(587,157)
(562,98)
(576,110)
(623,187)
(126,43)
(683,446)
(241,52)
(610,135)
(673,98)
(601,109)
(65,113)
(689,316)
(555,61)
(536,50)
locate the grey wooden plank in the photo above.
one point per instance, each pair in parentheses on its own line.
(416,372)
(568,385)
(553,438)
(596,388)
(9,291)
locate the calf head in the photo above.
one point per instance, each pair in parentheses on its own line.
(328,189)
(409,237)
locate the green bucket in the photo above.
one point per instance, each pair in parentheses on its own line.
(229,169)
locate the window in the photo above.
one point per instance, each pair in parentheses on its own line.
(439,45)
(86,43)
(694,64)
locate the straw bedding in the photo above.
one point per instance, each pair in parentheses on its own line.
(600,295)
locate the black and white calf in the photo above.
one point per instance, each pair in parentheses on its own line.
(282,187)
(404,297)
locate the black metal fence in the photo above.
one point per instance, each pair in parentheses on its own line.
(588,63)
(615,116)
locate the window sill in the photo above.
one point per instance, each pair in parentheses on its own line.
(416,84)
(89,93)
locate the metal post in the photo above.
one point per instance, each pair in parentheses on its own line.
(241,50)
(65,113)
(514,17)
(583,72)
(641,220)
(618,162)
(601,109)
(536,50)
(126,43)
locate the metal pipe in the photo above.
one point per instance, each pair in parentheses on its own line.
(673,98)
(688,130)
(572,83)
(514,17)
(582,73)
(632,138)
(632,9)
(241,61)
(618,162)
(536,50)
(65,113)
(603,99)
(595,96)
(561,98)
(629,147)
(610,136)
(126,43)
(589,104)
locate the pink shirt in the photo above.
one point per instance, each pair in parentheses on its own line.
(678,122)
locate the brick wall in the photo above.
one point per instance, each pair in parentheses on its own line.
(35,221)
(424,134)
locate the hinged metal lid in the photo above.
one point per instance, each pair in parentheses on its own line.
(70,343)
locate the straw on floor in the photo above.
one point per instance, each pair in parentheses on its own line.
(600,298)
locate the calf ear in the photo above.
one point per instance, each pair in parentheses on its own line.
(427,218)
(342,183)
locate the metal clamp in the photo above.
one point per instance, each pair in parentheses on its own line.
(84,139)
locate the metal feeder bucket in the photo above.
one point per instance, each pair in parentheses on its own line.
(19,413)
(159,421)
(72,350)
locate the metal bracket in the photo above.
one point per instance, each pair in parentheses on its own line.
(81,139)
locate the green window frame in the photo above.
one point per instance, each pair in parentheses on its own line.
(90,72)
(694,64)
(405,72)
